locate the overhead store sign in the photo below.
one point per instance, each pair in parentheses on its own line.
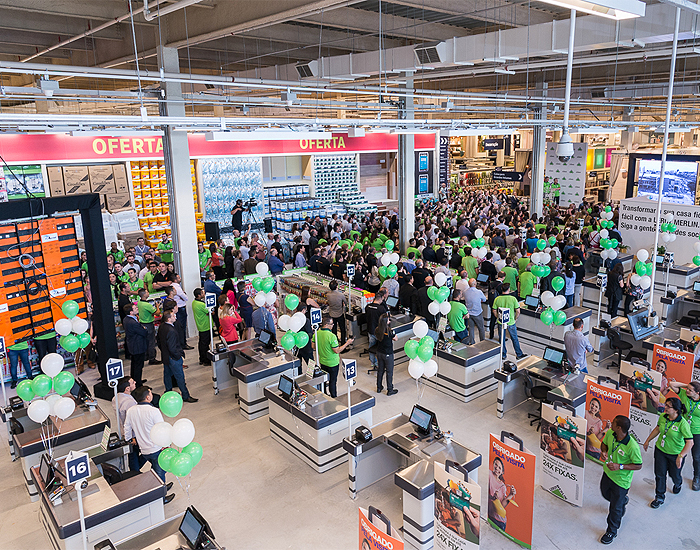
(493,144)
(500,175)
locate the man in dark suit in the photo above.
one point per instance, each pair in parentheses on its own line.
(419,274)
(172,353)
(407,291)
(136,341)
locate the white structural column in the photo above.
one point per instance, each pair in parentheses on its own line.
(406,174)
(539,149)
(177,169)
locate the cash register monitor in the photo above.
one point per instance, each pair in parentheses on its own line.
(286,387)
(422,420)
(392,302)
(554,357)
(195,528)
(482,278)
(532,302)
(696,287)
(267,338)
(47,471)
(639,324)
(80,390)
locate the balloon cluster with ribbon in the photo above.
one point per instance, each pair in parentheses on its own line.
(73,330)
(642,270)
(478,245)
(180,434)
(541,258)
(292,326)
(668,230)
(439,295)
(388,260)
(420,352)
(608,245)
(264,286)
(696,258)
(553,313)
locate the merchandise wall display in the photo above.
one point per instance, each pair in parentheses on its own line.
(336,179)
(571,174)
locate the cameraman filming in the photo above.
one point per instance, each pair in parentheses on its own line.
(237,215)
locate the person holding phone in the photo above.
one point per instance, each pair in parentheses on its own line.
(329,353)
(385,354)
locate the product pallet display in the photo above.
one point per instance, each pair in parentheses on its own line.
(319,288)
(289,205)
(336,180)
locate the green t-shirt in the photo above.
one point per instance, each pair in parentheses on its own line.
(538,227)
(326,342)
(527,283)
(456,316)
(672,435)
(203,258)
(148,281)
(693,407)
(523,263)
(511,277)
(163,248)
(118,255)
(123,278)
(46,336)
(621,452)
(377,244)
(414,250)
(134,286)
(20,346)
(201,316)
(84,267)
(146,312)
(470,264)
(509,301)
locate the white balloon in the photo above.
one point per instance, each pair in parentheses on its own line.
(545,258)
(612,253)
(394,256)
(38,410)
(283,322)
(645,282)
(79,325)
(673,237)
(547,250)
(604,234)
(416,368)
(262,268)
(260,298)
(64,407)
(430,368)
(183,432)
(696,246)
(535,258)
(52,364)
(500,264)
(297,322)
(475,252)
(482,252)
(420,328)
(669,218)
(386,259)
(604,254)
(63,327)
(270,298)
(479,233)
(665,237)
(642,254)
(557,302)
(162,434)
(635,279)
(546,297)
(52,400)
(434,308)
(445,308)
(440,279)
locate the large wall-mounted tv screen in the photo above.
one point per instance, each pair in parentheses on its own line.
(680,180)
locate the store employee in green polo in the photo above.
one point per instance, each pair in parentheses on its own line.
(622,458)
(328,353)
(165,249)
(689,395)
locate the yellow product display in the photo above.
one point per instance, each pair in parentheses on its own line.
(594,441)
(200,217)
(150,233)
(147,201)
(138,201)
(148,210)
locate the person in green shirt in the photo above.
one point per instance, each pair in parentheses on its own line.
(204,259)
(116,253)
(45,344)
(526,283)
(328,353)
(511,273)
(135,284)
(689,395)
(622,457)
(149,275)
(165,249)
(671,448)
(203,321)
(523,263)
(470,264)
(147,313)
(557,191)
(119,272)
(508,301)
(458,313)
(19,353)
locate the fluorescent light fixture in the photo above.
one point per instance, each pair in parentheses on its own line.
(412,131)
(379,130)
(595,130)
(113,133)
(266,135)
(356,132)
(499,70)
(611,9)
(466,63)
(478,132)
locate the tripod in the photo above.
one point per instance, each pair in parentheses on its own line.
(255,221)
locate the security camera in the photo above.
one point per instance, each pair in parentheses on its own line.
(565,147)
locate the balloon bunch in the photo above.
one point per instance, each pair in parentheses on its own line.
(293,335)
(696,258)
(420,352)
(553,313)
(179,463)
(643,271)
(389,260)
(478,245)
(439,295)
(668,229)
(73,330)
(542,258)
(264,285)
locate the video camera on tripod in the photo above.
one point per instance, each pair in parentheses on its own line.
(250,204)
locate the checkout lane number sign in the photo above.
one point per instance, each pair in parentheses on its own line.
(77,467)
(115,370)
(350,368)
(210,300)
(350,270)
(316,316)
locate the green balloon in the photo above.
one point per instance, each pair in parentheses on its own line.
(411,347)
(383,272)
(432,292)
(257,283)
(41,385)
(391,270)
(443,293)
(614,243)
(427,341)
(535,270)
(546,270)
(557,283)
(389,245)
(672,227)
(425,352)
(559,317)
(696,261)
(181,464)
(481,242)
(608,208)
(474,243)
(640,268)
(649,268)
(291,301)
(268,284)
(552,240)
(288,341)
(84,340)
(165,458)
(604,243)
(301,338)
(664,227)
(195,451)
(63,382)
(70,308)
(25,392)
(547,316)
(170,403)
(70,343)
(541,244)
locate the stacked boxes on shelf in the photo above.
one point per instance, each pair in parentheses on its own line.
(150,193)
(290,204)
(107,180)
(199,217)
(336,180)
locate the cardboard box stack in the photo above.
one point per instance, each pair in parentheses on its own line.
(109,181)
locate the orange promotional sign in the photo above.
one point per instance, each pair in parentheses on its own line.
(603,404)
(376,538)
(674,365)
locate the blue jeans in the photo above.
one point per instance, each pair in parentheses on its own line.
(569,300)
(513,332)
(461,335)
(153,459)
(174,370)
(23,356)
(372,341)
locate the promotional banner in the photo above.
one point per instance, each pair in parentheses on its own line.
(603,404)
(570,174)
(563,444)
(645,387)
(674,366)
(511,489)
(457,510)
(376,538)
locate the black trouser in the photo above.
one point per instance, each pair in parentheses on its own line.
(44,347)
(137,361)
(617,497)
(696,456)
(628,302)
(306,354)
(665,463)
(385,363)
(181,317)
(203,345)
(343,329)
(613,305)
(492,323)
(151,353)
(332,379)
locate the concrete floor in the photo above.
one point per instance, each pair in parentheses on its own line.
(257,495)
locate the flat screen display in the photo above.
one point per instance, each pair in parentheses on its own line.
(532,301)
(553,355)
(392,302)
(680,180)
(421,418)
(286,385)
(191,528)
(46,471)
(482,278)
(696,286)
(264,337)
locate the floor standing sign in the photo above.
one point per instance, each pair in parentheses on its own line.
(376,538)
(115,371)
(210,303)
(457,508)
(77,466)
(603,404)
(511,488)
(645,386)
(673,364)
(563,444)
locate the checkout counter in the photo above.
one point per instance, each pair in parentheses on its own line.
(674,309)
(466,372)
(398,447)
(315,430)
(680,276)
(533,332)
(402,325)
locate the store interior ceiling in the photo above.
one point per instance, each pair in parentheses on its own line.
(72,65)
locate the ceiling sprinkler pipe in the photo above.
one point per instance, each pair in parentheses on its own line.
(150,16)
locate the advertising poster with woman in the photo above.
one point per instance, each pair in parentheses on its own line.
(645,386)
(457,510)
(674,366)
(603,404)
(511,490)
(373,537)
(563,444)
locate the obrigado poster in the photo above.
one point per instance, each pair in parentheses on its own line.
(645,386)
(603,404)
(457,510)
(376,538)
(674,366)
(511,491)
(563,444)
